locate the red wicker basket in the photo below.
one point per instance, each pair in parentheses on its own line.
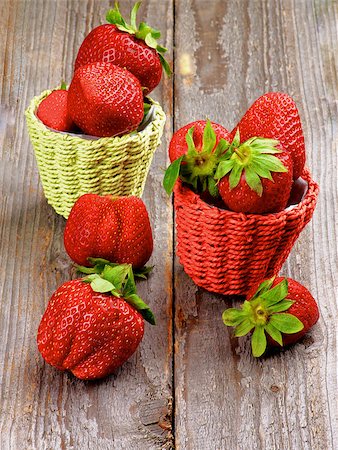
(227,252)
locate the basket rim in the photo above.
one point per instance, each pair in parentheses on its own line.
(157,121)
(187,196)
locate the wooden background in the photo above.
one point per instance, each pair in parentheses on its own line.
(191,384)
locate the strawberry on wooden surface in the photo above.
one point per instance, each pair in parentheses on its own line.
(279,310)
(93,325)
(53,111)
(126,45)
(115,228)
(105,100)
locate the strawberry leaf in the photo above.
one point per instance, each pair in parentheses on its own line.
(209,138)
(236,140)
(150,41)
(221,147)
(143,272)
(233,317)
(101,285)
(283,305)
(253,181)
(133,15)
(63,86)
(276,294)
(212,187)
(223,168)
(171,175)
(235,175)
(258,341)
(243,328)
(274,333)
(136,301)
(263,287)
(116,275)
(165,65)
(271,162)
(189,138)
(286,323)
(129,287)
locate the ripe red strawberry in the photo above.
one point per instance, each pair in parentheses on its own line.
(117,229)
(275,115)
(126,45)
(178,145)
(246,182)
(53,112)
(264,312)
(195,151)
(90,332)
(105,100)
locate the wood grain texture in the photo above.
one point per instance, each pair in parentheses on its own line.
(42,408)
(224,398)
(206,392)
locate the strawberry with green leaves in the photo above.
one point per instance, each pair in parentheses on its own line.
(257,177)
(278,312)
(130,46)
(53,111)
(93,325)
(274,115)
(115,228)
(195,151)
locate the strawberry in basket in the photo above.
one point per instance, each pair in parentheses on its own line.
(131,46)
(280,311)
(114,228)
(275,115)
(252,168)
(53,111)
(195,151)
(105,100)
(93,325)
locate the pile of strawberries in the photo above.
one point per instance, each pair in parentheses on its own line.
(116,66)
(94,324)
(251,169)
(255,169)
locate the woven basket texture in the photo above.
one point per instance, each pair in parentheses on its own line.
(227,252)
(70,165)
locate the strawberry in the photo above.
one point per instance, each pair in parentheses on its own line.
(53,112)
(93,325)
(195,151)
(246,183)
(264,312)
(117,229)
(105,100)
(178,145)
(275,116)
(126,45)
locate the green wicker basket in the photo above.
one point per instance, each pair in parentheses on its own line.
(71,165)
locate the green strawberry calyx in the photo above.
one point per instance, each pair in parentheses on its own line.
(264,313)
(142,31)
(197,167)
(255,158)
(117,280)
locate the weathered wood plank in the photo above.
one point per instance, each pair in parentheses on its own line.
(227,55)
(40,407)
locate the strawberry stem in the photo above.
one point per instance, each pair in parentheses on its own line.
(117,280)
